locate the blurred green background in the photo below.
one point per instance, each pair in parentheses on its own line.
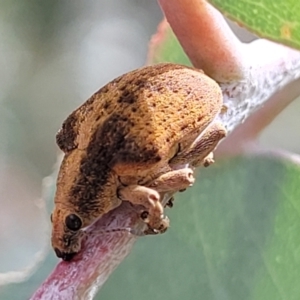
(53,56)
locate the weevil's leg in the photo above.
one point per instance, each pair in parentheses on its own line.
(163,228)
(150,199)
(199,152)
(175,180)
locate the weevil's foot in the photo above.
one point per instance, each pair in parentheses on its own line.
(205,162)
(164,225)
(170,202)
(208,160)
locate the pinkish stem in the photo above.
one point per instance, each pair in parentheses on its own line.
(270,85)
(206,38)
(102,252)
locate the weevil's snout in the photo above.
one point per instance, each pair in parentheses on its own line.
(64,255)
(66,234)
(67,246)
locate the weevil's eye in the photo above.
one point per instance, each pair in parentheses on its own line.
(51,218)
(73,222)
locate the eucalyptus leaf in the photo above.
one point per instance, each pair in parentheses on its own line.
(165,47)
(275,20)
(234,235)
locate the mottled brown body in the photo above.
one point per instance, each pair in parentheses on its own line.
(126,140)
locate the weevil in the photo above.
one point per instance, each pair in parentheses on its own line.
(136,138)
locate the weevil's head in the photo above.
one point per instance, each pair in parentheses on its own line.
(67,232)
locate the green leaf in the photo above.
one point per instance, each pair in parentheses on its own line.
(275,20)
(165,47)
(234,235)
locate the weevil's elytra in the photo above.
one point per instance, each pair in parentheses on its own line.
(135,129)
